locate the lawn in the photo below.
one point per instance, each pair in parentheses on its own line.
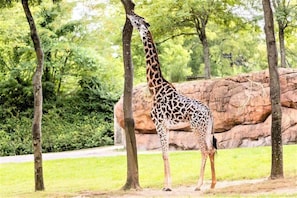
(69,177)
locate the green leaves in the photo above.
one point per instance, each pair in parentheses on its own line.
(285,11)
(173,59)
(78,105)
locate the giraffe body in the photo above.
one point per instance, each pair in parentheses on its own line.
(170,107)
(175,108)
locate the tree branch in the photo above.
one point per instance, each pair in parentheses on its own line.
(177,35)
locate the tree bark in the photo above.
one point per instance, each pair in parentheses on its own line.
(280,6)
(281,36)
(276,135)
(206,56)
(132,161)
(37,89)
(200,25)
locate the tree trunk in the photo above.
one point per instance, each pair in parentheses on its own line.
(132,161)
(276,135)
(47,72)
(281,7)
(37,89)
(206,57)
(281,36)
(62,72)
(200,25)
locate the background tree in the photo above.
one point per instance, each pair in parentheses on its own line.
(188,18)
(37,92)
(132,161)
(285,13)
(276,132)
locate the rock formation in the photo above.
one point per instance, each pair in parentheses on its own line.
(240,105)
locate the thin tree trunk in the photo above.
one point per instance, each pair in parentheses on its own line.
(276,135)
(37,89)
(132,161)
(200,25)
(281,36)
(206,58)
(280,6)
(47,73)
(62,72)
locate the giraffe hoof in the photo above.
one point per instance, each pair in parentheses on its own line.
(167,189)
(197,189)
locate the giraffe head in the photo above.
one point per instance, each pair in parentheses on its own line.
(139,23)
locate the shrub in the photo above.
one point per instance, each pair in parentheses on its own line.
(81,120)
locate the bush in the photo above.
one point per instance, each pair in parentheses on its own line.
(15,96)
(82,120)
(75,131)
(15,137)
(61,131)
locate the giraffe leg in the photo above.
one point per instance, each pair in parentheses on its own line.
(213,171)
(167,176)
(164,137)
(202,168)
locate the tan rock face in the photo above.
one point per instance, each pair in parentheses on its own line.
(240,106)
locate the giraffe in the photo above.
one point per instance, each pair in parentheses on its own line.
(169,107)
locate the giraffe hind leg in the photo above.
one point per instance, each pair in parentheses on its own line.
(202,169)
(213,172)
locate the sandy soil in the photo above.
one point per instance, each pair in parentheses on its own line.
(245,188)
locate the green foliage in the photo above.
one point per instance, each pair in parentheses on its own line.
(285,12)
(173,58)
(15,96)
(81,121)
(78,102)
(15,136)
(229,31)
(196,56)
(226,32)
(291,48)
(76,131)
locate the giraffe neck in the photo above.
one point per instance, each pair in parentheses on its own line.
(154,76)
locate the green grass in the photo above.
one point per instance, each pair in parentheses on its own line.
(68,177)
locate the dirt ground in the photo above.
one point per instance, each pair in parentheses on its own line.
(246,188)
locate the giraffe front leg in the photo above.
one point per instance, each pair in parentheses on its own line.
(164,138)
(163,133)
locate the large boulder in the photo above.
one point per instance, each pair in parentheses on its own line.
(240,105)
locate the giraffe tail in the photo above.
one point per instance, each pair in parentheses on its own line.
(211,140)
(214,139)
(214,142)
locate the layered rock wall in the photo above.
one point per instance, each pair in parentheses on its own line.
(240,106)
